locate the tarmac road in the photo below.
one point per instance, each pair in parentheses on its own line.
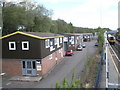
(64,69)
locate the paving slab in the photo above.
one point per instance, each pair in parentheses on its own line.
(26,78)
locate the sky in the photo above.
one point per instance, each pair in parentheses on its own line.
(84,13)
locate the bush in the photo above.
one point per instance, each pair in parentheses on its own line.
(101,40)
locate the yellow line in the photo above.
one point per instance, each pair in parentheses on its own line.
(30,35)
(114,64)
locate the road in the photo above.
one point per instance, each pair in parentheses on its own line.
(64,69)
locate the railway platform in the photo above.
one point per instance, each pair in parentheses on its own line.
(113,69)
(110,75)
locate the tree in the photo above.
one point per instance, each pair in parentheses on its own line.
(26,14)
(13,16)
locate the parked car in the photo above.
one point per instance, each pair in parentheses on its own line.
(96,44)
(69,53)
(83,45)
(79,48)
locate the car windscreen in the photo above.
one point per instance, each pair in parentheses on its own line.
(68,51)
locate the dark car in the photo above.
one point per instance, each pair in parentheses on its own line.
(79,48)
(96,44)
(69,53)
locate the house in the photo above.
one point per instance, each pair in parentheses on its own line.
(87,37)
(72,40)
(30,53)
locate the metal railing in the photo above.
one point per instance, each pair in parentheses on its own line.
(103,57)
(97,80)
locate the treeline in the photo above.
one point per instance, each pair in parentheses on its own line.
(31,17)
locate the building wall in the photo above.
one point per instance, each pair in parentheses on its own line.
(48,63)
(32,53)
(37,48)
(46,51)
(12,67)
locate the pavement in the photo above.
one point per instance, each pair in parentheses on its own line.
(26,78)
(113,79)
(113,71)
(70,64)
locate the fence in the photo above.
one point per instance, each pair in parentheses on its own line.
(97,80)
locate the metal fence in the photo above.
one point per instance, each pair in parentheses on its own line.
(103,57)
(97,80)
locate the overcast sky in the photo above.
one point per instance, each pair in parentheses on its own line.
(85,13)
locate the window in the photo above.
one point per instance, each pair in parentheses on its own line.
(23,64)
(65,39)
(55,41)
(51,42)
(51,45)
(58,43)
(25,45)
(34,65)
(12,46)
(47,44)
(60,39)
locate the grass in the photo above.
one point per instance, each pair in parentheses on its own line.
(90,71)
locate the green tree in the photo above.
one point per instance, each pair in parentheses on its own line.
(13,16)
(26,14)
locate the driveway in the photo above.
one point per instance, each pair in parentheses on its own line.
(64,69)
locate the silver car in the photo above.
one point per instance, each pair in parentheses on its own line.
(83,45)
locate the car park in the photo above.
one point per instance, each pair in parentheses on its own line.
(69,53)
(79,48)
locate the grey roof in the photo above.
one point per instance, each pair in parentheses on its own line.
(87,33)
(43,34)
(72,34)
(112,31)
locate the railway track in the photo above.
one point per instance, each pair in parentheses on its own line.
(118,40)
(116,48)
(115,51)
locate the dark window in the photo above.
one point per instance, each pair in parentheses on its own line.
(111,38)
(28,64)
(25,45)
(34,65)
(12,45)
(23,63)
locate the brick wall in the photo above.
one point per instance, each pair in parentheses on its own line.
(48,63)
(12,67)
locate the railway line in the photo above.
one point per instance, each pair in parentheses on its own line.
(115,50)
